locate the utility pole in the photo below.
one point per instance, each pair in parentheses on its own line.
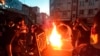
(77,9)
(71,9)
(74,8)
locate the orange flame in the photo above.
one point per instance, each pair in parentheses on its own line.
(55,38)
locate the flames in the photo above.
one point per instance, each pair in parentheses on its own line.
(94,35)
(55,38)
(94,39)
(60,37)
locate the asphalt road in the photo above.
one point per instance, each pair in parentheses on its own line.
(50,52)
(65,51)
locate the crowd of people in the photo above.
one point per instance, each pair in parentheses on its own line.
(18,39)
(85,39)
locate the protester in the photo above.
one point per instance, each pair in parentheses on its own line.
(93,47)
(19,40)
(8,32)
(95,33)
(81,32)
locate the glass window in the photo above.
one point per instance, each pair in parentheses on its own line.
(81,12)
(90,11)
(96,0)
(91,2)
(73,15)
(51,1)
(64,13)
(86,0)
(69,2)
(81,3)
(74,1)
(74,8)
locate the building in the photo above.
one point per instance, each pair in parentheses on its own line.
(29,12)
(37,12)
(72,9)
(25,9)
(88,8)
(16,4)
(43,18)
(32,12)
(60,9)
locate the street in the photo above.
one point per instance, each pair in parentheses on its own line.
(58,46)
(65,51)
(50,52)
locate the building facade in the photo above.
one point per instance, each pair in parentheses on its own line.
(59,9)
(44,18)
(36,10)
(72,9)
(88,8)
(32,13)
(16,4)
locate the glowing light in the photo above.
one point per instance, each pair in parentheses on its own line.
(55,38)
(94,38)
(3,2)
(94,35)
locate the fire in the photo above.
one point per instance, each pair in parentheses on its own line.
(55,38)
(94,38)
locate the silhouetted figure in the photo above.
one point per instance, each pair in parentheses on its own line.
(18,41)
(95,31)
(7,35)
(81,32)
(93,48)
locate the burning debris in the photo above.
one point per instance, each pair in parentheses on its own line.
(60,36)
(55,38)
